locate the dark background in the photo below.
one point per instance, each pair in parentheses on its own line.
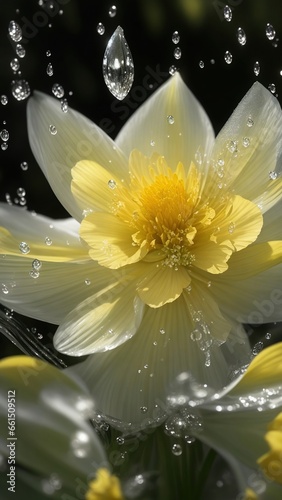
(76,56)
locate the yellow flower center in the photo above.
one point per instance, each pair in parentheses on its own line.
(104,487)
(250,494)
(168,221)
(271,462)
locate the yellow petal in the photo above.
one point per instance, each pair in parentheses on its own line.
(110,240)
(104,487)
(254,260)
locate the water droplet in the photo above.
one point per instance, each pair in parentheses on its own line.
(177,53)
(256,68)
(257,348)
(4,146)
(231,227)
(112,184)
(270,31)
(36,264)
(49,69)
(201,64)
(58,90)
(272,88)
(152,143)
(232,146)
(250,121)
(24,165)
(15,31)
(48,53)
(118,67)
(273,175)
(241,36)
(228,57)
(4,134)
(176,449)
(52,129)
(20,50)
(4,99)
(112,11)
(21,191)
(5,289)
(170,119)
(212,61)
(227,13)
(143,409)
(48,241)
(246,142)
(175,37)
(100,29)
(64,105)
(172,70)
(20,90)
(15,65)
(87,282)
(120,440)
(162,331)
(268,336)
(196,335)
(80,444)
(34,274)
(24,247)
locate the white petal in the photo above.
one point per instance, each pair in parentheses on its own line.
(190,132)
(56,291)
(246,170)
(255,300)
(102,322)
(77,138)
(131,383)
(50,422)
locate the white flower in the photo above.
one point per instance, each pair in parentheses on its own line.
(177,244)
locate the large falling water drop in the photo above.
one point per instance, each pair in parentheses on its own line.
(118,67)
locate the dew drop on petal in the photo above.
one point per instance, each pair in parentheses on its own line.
(36,264)
(52,129)
(228,57)
(231,227)
(112,11)
(58,90)
(34,274)
(48,241)
(118,67)
(20,90)
(4,99)
(175,37)
(250,122)
(246,142)
(268,336)
(273,175)
(100,29)
(177,53)
(20,50)
(270,31)
(241,36)
(4,134)
(170,119)
(257,348)
(176,449)
(64,105)
(272,88)
(227,13)
(172,70)
(49,69)
(143,409)
(112,184)
(15,31)
(87,282)
(24,247)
